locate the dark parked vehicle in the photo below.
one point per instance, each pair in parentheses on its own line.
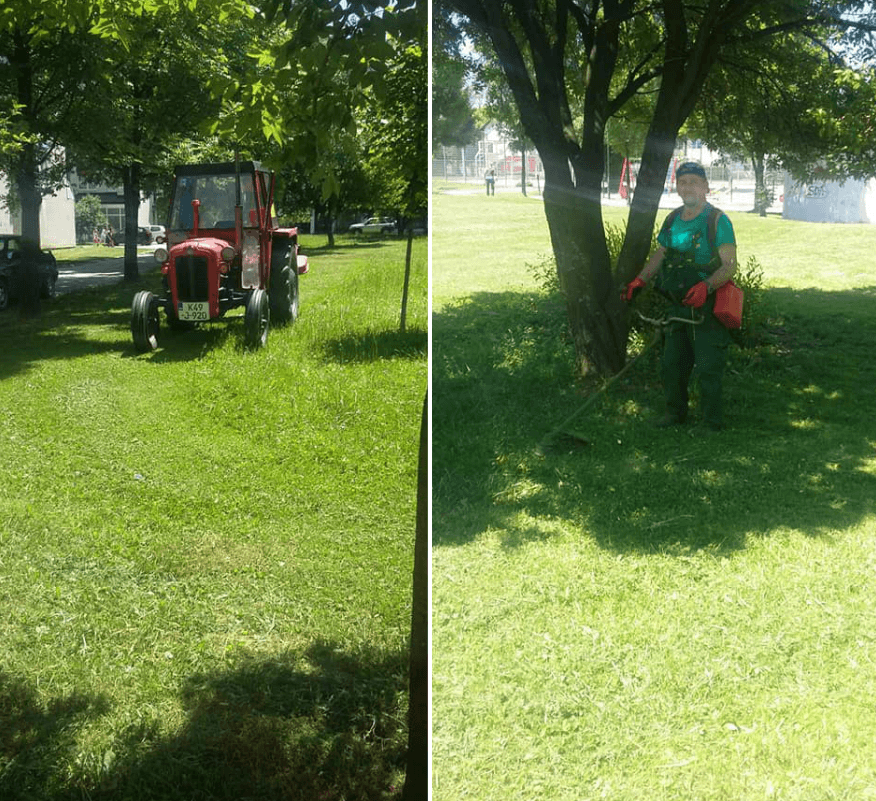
(10,264)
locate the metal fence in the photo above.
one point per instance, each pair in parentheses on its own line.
(471,164)
(732,184)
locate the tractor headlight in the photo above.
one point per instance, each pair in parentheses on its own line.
(227,253)
(161,255)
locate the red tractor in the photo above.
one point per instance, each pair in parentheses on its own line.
(223,250)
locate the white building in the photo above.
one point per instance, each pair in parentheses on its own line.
(57,217)
(112,201)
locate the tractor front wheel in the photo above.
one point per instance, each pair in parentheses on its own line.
(144,321)
(256,319)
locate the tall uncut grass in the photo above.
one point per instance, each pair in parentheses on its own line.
(205,552)
(641,613)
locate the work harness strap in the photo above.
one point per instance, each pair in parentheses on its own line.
(712,226)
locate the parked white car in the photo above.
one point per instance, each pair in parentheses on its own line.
(155,231)
(374,225)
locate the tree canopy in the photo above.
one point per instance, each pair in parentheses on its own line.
(573,65)
(55,59)
(304,83)
(788,105)
(122,88)
(453,121)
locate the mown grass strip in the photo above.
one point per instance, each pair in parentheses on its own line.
(206,553)
(655,614)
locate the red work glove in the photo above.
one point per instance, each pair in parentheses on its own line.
(633,288)
(697,295)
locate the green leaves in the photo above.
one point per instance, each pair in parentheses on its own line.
(323,71)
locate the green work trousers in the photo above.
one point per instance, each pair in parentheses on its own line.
(686,347)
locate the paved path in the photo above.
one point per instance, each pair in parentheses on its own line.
(75,275)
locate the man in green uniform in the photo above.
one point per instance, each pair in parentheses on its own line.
(691,262)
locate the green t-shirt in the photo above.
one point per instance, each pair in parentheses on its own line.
(682,235)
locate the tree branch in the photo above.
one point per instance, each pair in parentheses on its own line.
(541,111)
(584,19)
(631,89)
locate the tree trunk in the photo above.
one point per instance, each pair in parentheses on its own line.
(523,170)
(27,183)
(593,304)
(416,786)
(650,181)
(761,198)
(27,279)
(407,281)
(131,181)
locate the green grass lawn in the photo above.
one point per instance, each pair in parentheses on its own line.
(82,252)
(206,553)
(655,614)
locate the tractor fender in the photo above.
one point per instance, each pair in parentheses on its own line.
(280,235)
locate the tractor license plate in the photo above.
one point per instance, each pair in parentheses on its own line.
(194,310)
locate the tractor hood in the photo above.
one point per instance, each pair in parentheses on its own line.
(202,246)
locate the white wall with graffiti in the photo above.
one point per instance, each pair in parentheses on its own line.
(850,201)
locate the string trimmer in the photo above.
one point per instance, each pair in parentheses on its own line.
(563,428)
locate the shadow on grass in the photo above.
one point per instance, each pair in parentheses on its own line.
(37,740)
(322,725)
(58,334)
(186,345)
(799,451)
(345,245)
(371,346)
(30,344)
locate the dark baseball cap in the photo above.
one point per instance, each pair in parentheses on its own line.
(690,168)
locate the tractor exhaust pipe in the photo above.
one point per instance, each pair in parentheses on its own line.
(238,208)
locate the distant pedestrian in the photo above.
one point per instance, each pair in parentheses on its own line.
(95,236)
(490,178)
(109,241)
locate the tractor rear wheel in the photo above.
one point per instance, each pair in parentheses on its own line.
(256,319)
(284,295)
(144,321)
(284,283)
